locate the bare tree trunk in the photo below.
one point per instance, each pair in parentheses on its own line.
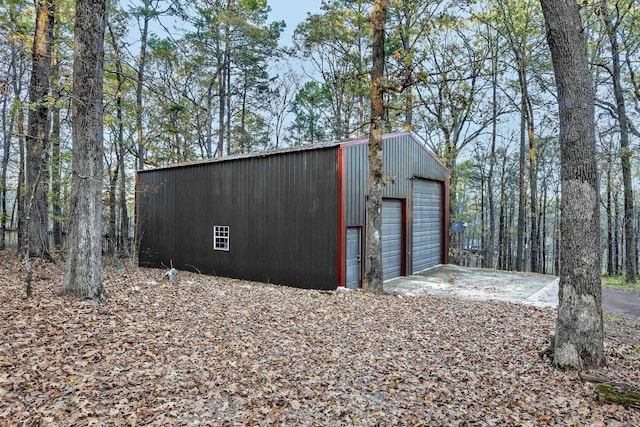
(490,249)
(408,68)
(512,221)
(543,222)
(227,62)
(533,189)
(221,101)
(82,276)
(123,241)
(18,66)
(502,223)
(209,120)
(556,238)
(373,264)
(579,339)
(56,160)
(124,210)
(483,222)
(142,62)
(224,91)
(625,149)
(6,145)
(361,98)
(37,141)
(610,226)
(617,232)
(111,233)
(227,76)
(21,180)
(522,193)
(243,116)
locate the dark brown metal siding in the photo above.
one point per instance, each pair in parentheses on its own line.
(282,211)
(356,170)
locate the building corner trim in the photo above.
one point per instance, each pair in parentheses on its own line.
(341,229)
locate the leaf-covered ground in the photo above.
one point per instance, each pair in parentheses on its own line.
(216,351)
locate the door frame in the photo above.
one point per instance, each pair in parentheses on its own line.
(360,229)
(403,245)
(443,230)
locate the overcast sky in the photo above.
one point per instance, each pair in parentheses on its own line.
(292,12)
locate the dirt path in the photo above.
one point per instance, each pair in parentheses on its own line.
(617,301)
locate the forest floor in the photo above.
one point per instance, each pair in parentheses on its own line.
(224,352)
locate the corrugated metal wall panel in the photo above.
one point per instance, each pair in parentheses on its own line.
(427,224)
(392,237)
(355,176)
(281,209)
(404,160)
(156,236)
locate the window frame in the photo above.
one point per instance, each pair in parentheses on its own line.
(221,238)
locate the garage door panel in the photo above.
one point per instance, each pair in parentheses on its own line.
(392,232)
(427,224)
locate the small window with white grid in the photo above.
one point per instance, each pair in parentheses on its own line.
(221,237)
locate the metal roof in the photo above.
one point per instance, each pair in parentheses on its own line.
(293,149)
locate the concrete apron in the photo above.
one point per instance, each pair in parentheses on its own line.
(452,281)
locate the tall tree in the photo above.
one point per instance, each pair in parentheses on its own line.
(231,44)
(335,43)
(82,276)
(19,70)
(16,35)
(410,22)
(9,116)
(60,91)
(6,146)
(518,23)
(309,125)
(452,96)
(492,44)
(255,44)
(118,174)
(281,93)
(144,15)
(56,154)
(37,140)
(579,340)
(373,265)
(625,149)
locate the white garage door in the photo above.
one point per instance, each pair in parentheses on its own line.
(427,224)
(391,238)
